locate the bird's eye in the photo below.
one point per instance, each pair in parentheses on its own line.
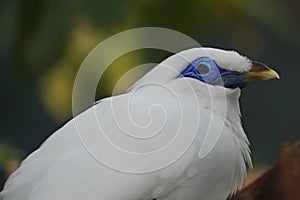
(202,69)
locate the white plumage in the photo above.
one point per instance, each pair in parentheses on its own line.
(76,162)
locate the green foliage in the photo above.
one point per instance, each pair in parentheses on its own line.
(9,152)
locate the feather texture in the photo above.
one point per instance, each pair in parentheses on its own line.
(192,130)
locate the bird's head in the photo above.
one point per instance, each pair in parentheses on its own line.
(212,66)
(230,71)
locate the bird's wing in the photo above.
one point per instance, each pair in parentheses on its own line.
(74,164)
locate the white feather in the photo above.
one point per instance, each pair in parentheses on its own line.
(65,168)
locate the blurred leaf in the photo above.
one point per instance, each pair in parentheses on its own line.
(9,152)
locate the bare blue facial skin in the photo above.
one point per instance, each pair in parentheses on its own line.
(206,70)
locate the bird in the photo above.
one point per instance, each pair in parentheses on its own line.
(175,134)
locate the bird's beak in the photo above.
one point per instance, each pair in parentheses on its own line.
(260,72)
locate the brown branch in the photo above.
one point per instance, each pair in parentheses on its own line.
(280,182)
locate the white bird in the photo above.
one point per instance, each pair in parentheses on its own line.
(176,134)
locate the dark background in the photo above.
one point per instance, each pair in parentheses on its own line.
(42,44)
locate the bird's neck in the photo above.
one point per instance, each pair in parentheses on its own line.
(221,101)
(217,99)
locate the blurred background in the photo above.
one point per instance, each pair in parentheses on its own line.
(43,43)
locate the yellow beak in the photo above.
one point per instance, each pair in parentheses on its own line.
(260,72)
